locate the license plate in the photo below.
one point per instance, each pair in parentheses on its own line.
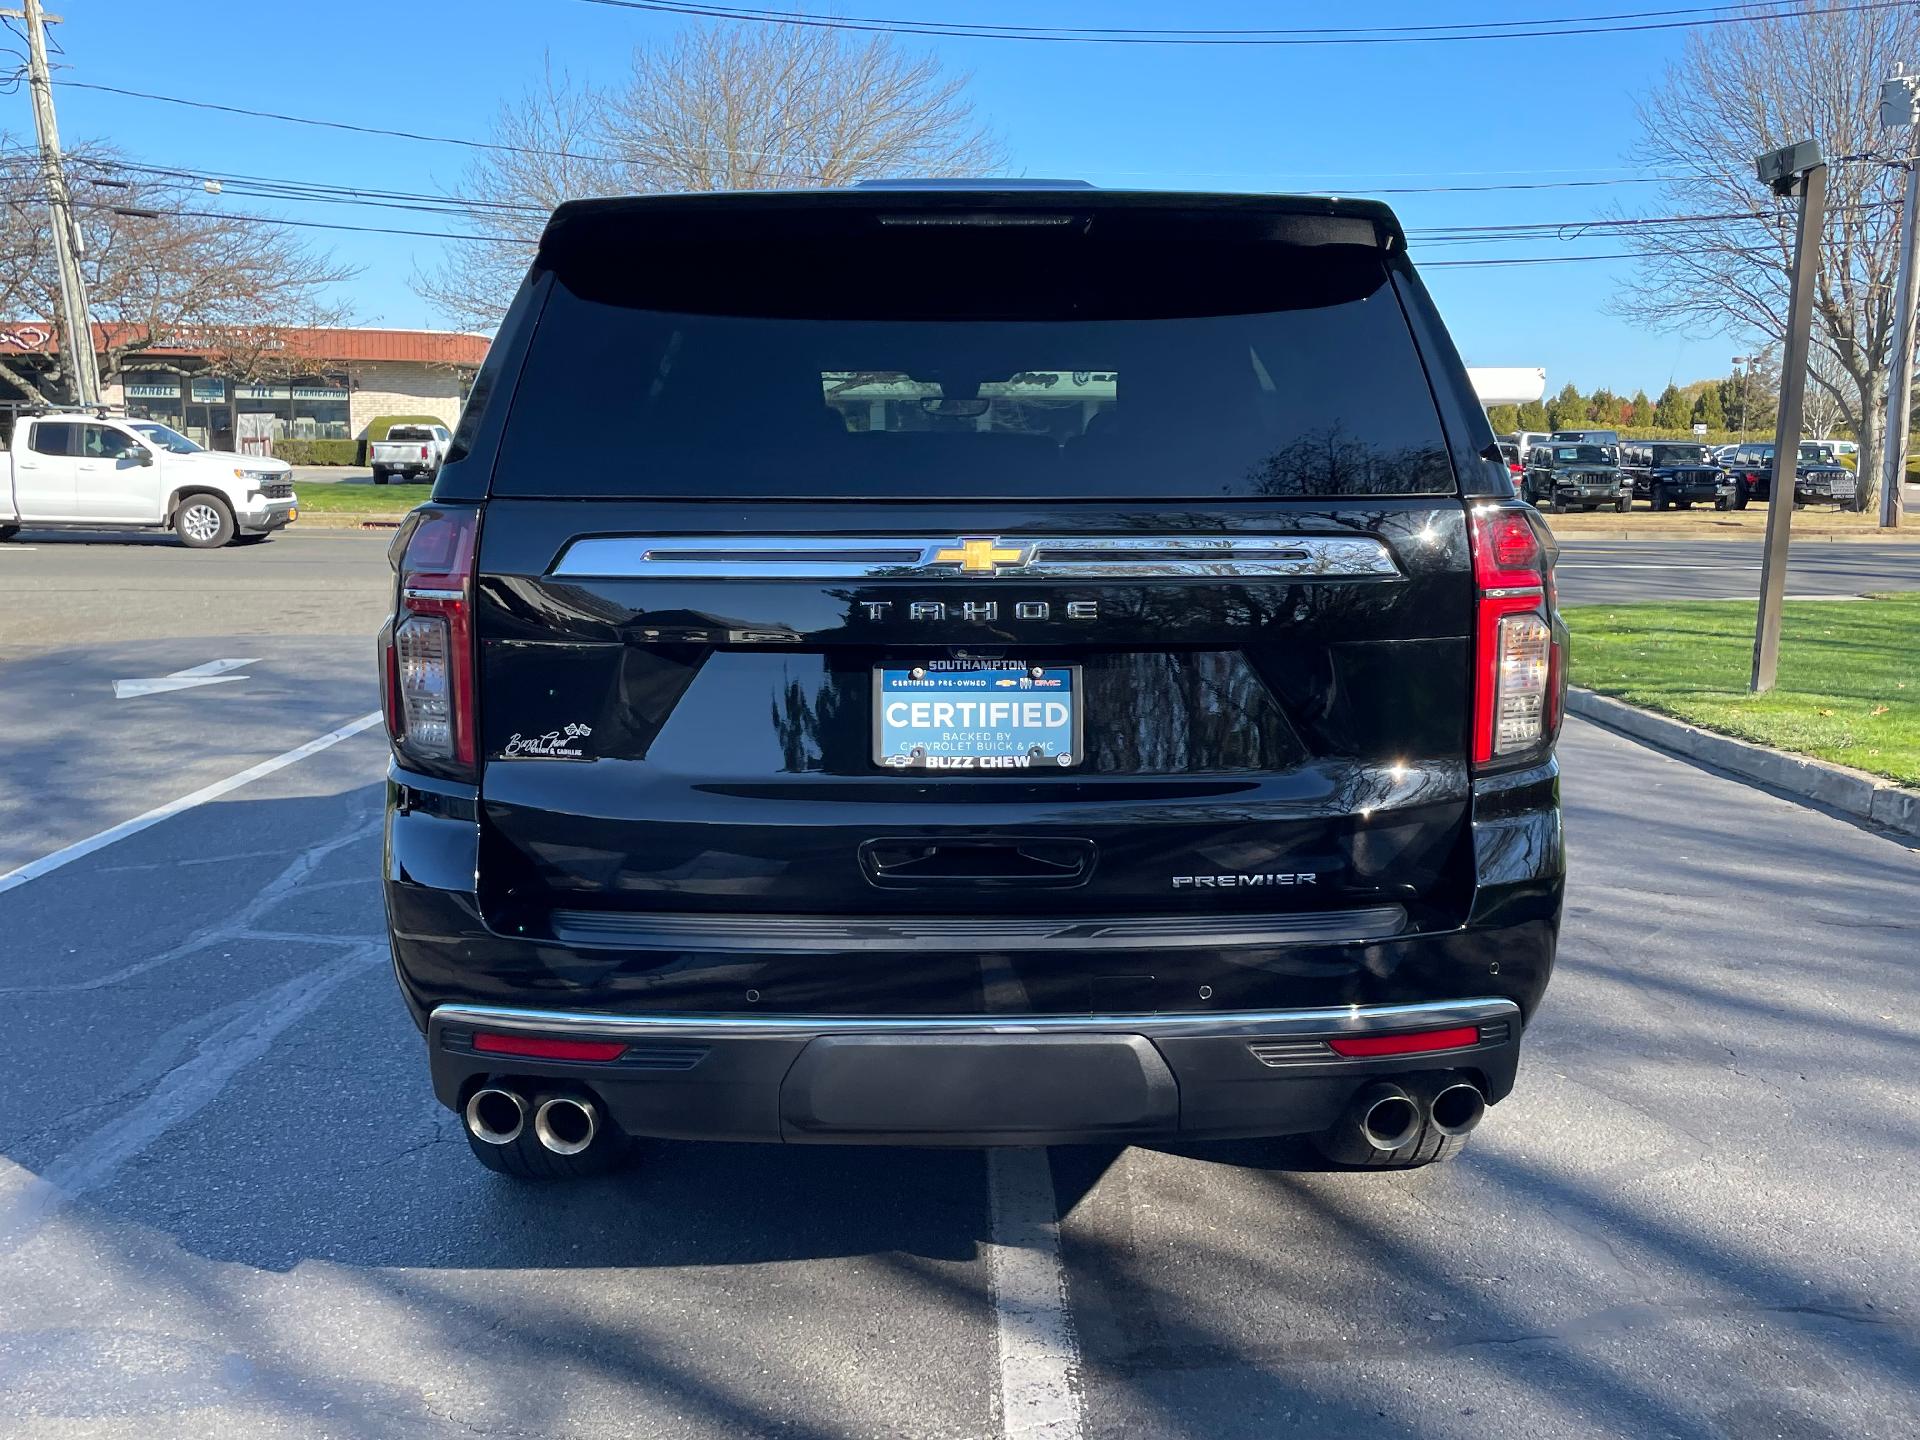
(976,715)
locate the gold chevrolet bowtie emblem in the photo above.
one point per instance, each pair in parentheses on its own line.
(981,556)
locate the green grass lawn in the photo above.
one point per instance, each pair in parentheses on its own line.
(371,499)
(1849,686)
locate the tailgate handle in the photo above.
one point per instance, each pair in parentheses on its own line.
(987,861)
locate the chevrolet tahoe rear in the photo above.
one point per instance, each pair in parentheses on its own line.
(1010,666)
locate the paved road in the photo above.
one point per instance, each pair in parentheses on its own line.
(1616,571)
(229,1206)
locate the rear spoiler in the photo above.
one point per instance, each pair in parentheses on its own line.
(1294,219)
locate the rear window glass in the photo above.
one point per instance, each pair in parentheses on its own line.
(409,432)
(56,438)
(1315,390)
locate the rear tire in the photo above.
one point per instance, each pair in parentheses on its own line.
(379,475)
(7,532)
(1741,496)
(203,522)
(1428,1147)
(1623,506)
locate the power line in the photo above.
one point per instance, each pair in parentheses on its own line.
(318,192)
(754,13)
(243,216)
(797,175)
(528,244)
(1698,17)
(335,124)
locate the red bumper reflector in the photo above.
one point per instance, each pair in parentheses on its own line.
(1408,1044)
(532,1047)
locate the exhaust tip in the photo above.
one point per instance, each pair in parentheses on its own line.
(1457,1108)
(495,1116)
(1390,1120)
(566,1124)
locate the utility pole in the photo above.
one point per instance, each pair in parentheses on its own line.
(83,365)
(1898,111)
(1793,169)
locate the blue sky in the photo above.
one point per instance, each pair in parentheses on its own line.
(1352,119)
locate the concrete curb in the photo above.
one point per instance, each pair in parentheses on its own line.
(349,520)
(1851,792)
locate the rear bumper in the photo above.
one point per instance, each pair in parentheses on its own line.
(848,1033)
(975,1080)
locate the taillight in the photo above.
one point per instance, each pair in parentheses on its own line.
(1517,659)
(428,646)
(423,452)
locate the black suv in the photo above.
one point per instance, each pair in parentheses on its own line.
(1576,475)
(1668,473)
(1818,478)
(994,666)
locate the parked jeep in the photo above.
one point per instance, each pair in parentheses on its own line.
(1670,473)
(1818,478)
(1585,477)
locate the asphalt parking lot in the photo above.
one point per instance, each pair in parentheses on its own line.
(229,1206)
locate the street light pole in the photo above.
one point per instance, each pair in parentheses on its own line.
(1794,169)
(83,366)
(1740,383)
(1898,111)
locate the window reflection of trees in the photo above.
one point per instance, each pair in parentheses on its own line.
(1334,461)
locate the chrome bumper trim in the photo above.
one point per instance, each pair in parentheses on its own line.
(1343,1020)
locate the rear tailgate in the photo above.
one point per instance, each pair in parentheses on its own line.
(1273,743)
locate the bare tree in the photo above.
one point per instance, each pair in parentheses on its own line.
(163,272)
(719,107)
(1829,381)
(1745,90)
(549,153)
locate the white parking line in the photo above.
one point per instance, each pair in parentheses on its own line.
(34,869)
(1038,1355)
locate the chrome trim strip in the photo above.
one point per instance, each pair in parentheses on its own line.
(1507,592)
(426,592)
(1344,1020)
(1044,557)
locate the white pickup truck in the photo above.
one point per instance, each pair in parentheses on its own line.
(95,471)
(410,451)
